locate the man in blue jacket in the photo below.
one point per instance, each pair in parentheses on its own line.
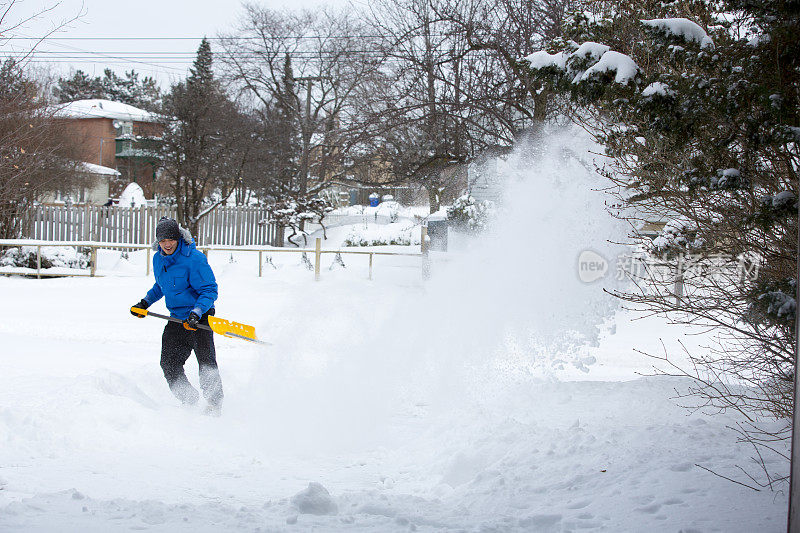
(186,281)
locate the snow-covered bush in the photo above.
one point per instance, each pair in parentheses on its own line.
(676,239)
(63,257)
(402,234)
(291,213)
(358,240)
(388,208)
(469,214)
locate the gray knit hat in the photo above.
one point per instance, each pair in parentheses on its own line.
(168,228)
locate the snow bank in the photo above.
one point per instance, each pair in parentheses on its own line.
(315,500)
(132,196)
(384,209)
(684,28)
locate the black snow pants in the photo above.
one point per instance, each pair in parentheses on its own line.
(177,344)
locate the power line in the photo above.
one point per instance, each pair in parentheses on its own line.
(33,53)
(146,53)
(240,38)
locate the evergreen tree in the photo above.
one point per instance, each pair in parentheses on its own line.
(79,87)
(207,141)
(202,75)
(701,117)
(130,89)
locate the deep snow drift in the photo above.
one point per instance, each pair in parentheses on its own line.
(500,395)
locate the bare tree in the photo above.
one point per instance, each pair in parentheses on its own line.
(508,31)
(36,158)
(458,89)
(303,71)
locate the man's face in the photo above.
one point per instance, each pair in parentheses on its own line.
(168,246)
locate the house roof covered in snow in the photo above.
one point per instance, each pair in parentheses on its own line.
(99,108)
(91,168)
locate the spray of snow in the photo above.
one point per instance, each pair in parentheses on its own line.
(508,308)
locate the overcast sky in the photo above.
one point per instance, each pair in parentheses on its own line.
(154,37)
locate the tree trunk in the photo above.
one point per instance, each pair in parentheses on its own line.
(434,197)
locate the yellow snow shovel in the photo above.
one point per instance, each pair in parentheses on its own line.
(227,328)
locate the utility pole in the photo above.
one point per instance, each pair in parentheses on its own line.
(305,164)
(306,134)
(793,525)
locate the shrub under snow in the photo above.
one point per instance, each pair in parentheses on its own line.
(467,213)
(52,257)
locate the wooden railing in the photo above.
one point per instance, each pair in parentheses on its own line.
(317,251)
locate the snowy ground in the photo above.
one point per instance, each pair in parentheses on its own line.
(93,441)
(502,394)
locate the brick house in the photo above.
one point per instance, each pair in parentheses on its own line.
(116,136)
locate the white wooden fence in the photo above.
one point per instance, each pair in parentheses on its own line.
(230,226)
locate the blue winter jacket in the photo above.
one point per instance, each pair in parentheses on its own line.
(185,279)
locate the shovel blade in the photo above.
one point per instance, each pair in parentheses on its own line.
(230,328)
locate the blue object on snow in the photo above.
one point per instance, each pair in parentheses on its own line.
(374,199)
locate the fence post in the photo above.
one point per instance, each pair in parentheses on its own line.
(86,220)
(38,262)
(370,266)
(142,225)
(148,261)
(679,282)
(426,260)
(317,258)
(94,260)
(260,253)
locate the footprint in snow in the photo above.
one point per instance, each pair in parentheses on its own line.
(580,504)
(650,509)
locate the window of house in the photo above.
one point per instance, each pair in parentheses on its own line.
(124,128)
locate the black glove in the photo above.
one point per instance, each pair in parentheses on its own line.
(191,322)
(141,305)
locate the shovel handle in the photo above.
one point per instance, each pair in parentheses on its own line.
(167,317)
(145,312)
